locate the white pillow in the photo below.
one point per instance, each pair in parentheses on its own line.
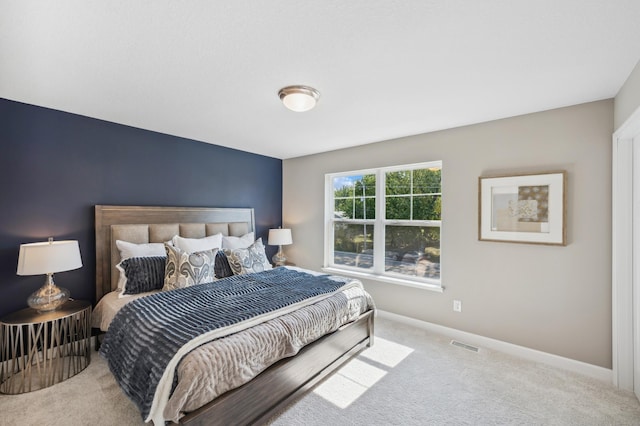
(122,280)
(192,245)
(128,249)
(238,242)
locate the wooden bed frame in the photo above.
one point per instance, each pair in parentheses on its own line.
(279,385)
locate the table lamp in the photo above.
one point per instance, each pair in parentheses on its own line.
(48,258)
(279,237)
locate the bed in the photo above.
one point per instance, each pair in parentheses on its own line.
(250,402)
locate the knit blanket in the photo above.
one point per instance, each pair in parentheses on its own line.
(150,335)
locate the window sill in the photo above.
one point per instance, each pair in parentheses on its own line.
(385,279)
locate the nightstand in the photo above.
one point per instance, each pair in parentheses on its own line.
(38,350)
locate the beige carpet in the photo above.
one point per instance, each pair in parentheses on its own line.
(409,377)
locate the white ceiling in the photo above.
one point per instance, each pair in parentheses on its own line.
(211,70)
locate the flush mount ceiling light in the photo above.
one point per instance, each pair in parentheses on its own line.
(299,98)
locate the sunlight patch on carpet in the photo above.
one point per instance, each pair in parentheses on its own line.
(349,383)
(387,352)
(353,379)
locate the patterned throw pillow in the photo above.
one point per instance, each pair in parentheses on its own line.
(142,274)
(186,269)
(251,259)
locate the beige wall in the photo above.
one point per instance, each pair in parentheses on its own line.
(553,299)
(628,98)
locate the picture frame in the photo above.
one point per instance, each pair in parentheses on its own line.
(525,208)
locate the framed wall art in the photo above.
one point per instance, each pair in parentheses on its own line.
(528,208)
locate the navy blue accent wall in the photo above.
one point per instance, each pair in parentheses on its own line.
(55,166)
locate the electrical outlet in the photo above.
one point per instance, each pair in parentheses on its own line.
(457,305)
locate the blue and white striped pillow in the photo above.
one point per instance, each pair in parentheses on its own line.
(143,274)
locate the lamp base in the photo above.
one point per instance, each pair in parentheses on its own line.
(279,259)
(49,297)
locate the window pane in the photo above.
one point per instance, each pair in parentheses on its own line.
(351,195)
(365,185)
(370,207)
(398,208)
(427,207)
(343,186)
(359,204)
(427,181)
(343,209)
(413,250)
(365,208)
(369,185)
(398,183)
(353,245)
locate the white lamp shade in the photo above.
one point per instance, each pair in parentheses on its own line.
(280,237)
(48,257)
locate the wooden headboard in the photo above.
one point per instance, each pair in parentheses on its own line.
(140,224)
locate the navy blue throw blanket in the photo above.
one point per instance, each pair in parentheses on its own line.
(147,332)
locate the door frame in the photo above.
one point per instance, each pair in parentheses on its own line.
(622,253)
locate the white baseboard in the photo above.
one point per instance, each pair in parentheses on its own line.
(590,370)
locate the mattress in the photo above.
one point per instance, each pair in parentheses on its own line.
(108,307)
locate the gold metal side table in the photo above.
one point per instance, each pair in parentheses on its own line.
(38,350)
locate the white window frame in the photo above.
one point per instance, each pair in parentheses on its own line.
(379,224)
